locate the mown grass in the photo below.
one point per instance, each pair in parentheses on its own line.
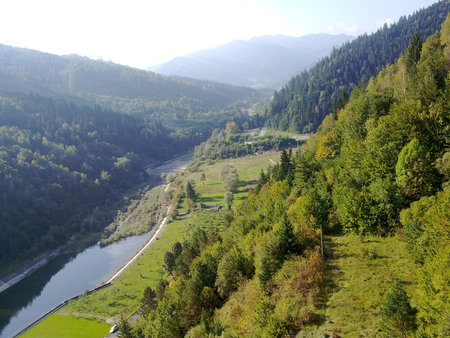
(59,326)
(123,297)
(360,271)
(211,191)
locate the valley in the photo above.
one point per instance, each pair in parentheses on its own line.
(123,297)
(271,186)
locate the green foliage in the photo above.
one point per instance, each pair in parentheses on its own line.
(177,249)
(434,293)
(398,317)
(221,146)
(125,330)
(228,199)
(425,225)
(148,301)
(308,97)
(59,162)
(234,267)
(190,192)
(413,52)
(169,262)
(230,178)
(231,128)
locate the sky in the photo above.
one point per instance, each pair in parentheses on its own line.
(142,33)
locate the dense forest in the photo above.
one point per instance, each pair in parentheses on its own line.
(75,133)
(179,103)
(307,98)
(379,166)
(59,161)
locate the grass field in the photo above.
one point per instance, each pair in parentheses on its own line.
(360,272)
(123,297)
(59,326)
(249,168)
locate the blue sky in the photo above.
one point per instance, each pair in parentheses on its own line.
(141,33)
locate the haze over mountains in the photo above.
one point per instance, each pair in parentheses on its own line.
(262,62)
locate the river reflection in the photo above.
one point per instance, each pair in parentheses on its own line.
(62,278)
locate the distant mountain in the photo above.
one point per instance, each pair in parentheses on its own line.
(308,97)
(263,62)
(119,88)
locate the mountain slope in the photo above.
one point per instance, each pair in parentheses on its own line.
(113,86)
(67,146)
(59,161)
(308,97)
(377,171)
(260,62)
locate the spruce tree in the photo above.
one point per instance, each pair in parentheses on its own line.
(413,52)
(190,192)
(149,300)
(125,330)
(265,273)
(397,315)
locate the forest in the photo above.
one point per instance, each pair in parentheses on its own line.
(308,97)
(379,166)
(59,161)
(76,133)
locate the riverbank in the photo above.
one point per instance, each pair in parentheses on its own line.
(123,297)
(108,283)
(79,242)
(26,270)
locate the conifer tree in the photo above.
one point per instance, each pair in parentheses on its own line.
(125,330)
(190,192)
(398,317)
(149,300)
(413,52)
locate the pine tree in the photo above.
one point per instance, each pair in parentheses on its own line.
(169,261)
(413,52)
(285,240)
(125,330)
(398,317)
(149,300)
(265,273)
(190,192)
(177,248)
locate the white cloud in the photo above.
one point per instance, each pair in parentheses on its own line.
(343,28)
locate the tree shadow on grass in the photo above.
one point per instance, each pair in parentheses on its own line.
(331,274)
(210,199)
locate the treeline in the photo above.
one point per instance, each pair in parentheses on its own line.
(222,145)
(59,161)
(307,98)
(379,166)
(74,132)
(176,102)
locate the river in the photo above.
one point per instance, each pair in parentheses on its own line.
(70,275)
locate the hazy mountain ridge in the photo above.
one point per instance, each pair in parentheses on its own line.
(259,62)
(111,85)
(308,97)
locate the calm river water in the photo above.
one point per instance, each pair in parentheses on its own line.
(68,276)
(62,278)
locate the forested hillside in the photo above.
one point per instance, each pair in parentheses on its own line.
(58,161)
(380,167)
(307,98)
(75,132)
(177,102)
